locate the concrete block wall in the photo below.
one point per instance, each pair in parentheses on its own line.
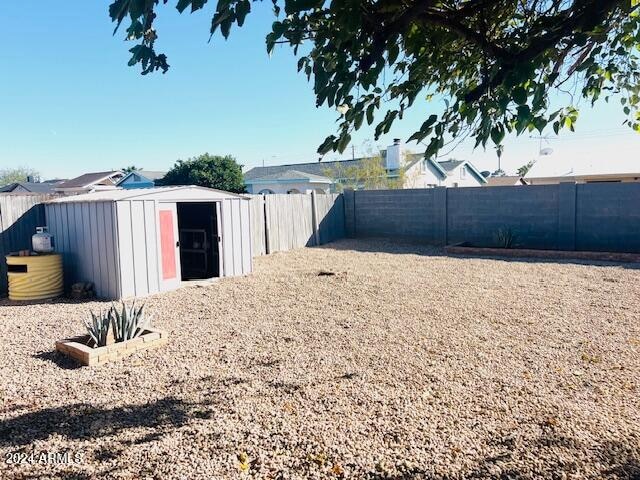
(414,213)
(608,217)
(586,217)
(476,215)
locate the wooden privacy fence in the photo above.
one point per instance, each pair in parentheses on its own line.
(20,214)
(284,222)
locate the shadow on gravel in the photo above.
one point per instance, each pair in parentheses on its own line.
(408,246)
(559,454)
(615,460)
(82,421)
(5,302)
(64,475)
(60,360)
(385,245)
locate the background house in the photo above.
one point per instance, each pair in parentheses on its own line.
(417,172)
(289,181)
(505,181)
(552,170)
(27,187)
(89,182)
(140,179)
(446,173)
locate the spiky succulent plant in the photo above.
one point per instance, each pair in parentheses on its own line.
(98,327)
(129,322)
(505,238)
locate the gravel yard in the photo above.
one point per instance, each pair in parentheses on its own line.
(405,364)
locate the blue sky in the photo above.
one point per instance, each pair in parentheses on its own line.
(69,103)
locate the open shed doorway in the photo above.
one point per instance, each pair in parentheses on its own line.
(199,240)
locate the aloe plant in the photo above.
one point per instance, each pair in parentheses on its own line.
(505,238)
(129,322)
(98,327)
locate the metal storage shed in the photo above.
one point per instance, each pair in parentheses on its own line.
(139,242)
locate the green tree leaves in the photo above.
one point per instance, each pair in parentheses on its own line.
(206,170)
(19,174)
(493,62)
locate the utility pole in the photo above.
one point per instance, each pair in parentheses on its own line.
(353,152)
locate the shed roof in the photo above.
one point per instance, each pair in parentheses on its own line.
(177,193)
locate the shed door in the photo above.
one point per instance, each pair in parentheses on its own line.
(169,247)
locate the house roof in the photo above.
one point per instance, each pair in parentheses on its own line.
(291,175)
(506,180)
(148,174)
(321,169)
(449,165)
(556,166)
(334,168)
(87,179)
(189,192)
(314,168)
(53,181)
(152,174)
(446,167)
(34,187)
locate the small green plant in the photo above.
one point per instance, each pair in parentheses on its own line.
(129,322)
(98,327)
(505,238)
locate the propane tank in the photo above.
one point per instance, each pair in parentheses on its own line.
(42,241)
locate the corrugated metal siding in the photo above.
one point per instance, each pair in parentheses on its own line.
(247,237)
(237,249)
(125,249)
(138,247)
(85,234)
(115,244)
(151,237)
(227,231)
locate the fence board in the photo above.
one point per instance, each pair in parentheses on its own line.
(20,214)
(283,222)
(256,206)
(330,210)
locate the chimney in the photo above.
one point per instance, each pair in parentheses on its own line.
(30,179)
(394,155)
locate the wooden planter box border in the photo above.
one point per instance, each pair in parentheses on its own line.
(549,254)
(77,348)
